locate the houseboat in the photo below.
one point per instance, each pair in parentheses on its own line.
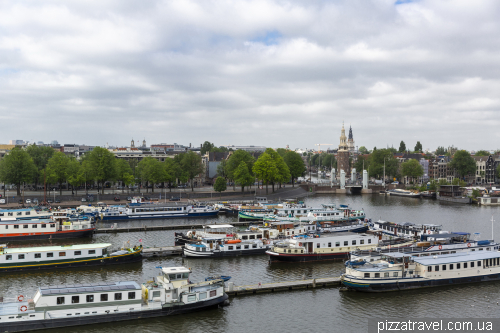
(208,231)
(405,229)
(56,227)
(403,193)
(327,247)
(222,247)
(82,304)
(402,271)
(24,214)
(452,193)
(155,211)
(47,257)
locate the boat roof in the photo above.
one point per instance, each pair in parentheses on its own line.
(447,235)
(456,257)
(180,269)
(17,210)
(217,226)
(89,287)
(9,221)
(57,248)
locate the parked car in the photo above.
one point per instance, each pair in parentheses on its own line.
(2,201)
(50,201)
(28,201)
(116,199)
(35,201)
(175,199)
(58,201)
(395,183)
(129,198)
(84,200)
(20,201)
(119,187)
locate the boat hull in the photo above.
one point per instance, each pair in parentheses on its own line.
(54,235)
(219,254)
(157,216)
(111,317)
(399,285)
(135,256)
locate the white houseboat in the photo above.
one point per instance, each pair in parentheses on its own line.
(401,271)
(83,304)
(24,214)
(405,229)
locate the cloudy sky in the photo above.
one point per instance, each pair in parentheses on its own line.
(263,72)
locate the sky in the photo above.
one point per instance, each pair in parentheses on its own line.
(263,72)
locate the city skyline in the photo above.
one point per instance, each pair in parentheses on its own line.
(266,73)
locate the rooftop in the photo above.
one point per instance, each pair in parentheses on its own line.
(457,257)
(89,287)
(56,248)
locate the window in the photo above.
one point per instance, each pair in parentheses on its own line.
(458,266)
(75,299)
(202,296)
(8,257)
(386,274)
(156,294)
(50,255)
(247,246)
(367,275)
(34,226)
(346,243)
(118,296)
(78,253)
(377,275)
(91,251)
(213,293)
(329,244)
(337,243)
(20,256)
(90,298)
(62,254)
(16,226)
(429,268)
(353,242)
(52,225)
(38,255)
(395,274)
(443,267)
(131,295)
(465,265)
(451,266)
(317,245)
(362,241)
(104,297)
(478,264)
(25,226)
(472,264)
(191,298)
(44,226)
(254,246)
(60,300)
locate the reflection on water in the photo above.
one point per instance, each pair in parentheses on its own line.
(325,309)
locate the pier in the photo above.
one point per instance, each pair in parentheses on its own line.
(233,290)
(163,227)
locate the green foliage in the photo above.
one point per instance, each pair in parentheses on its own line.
(235,160)
(73,173)
(102,163)
(412,169)
(222,169)
(191,166)
(220,185)
(265,169)
(123,171)
(463,163)
(152,171)
(418,147)
(441,150)
(443,182)
(433,186)
(328,160)
(363,150)
(402,147)
(377,163)
(40,156)
(57,169)
(219,150)
(17,167)
(457,181)
(392,150)
(475,193)
(498,171)
(172,171)
(295,165)
(283,174)
(243,176)
(362,163)
(206,147)
(482,153)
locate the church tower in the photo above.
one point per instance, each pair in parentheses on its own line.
(132,144)
(144,143)
(350,141)
(343,153)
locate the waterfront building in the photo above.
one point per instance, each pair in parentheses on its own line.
(492,164)
(343,153)
(480,169)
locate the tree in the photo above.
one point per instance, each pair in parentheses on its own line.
(73,173)
(265,169)
(234,161)
(243,176)
(433,186)
(441,151)
(418,147)
(172,171)
(102,163)
(123,171)
(86,172)
(475,193)
(17,167)
(443,182)
(295,165)
(498,171)
(402,147)
(222,169)
(363,150)
(362,163)
(463,163)
(281,151)
(192,166)
(283,174)
(57,169)
(152,172)
(40,156)
(457,181)
(412,169)
(376,163)
(482,153)
(220,185)
(206,147)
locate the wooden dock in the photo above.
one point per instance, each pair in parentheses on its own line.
(163,251)
(233,290)
(162,227)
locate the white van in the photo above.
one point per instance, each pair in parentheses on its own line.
(2,201)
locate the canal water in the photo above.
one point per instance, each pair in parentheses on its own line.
(320,310)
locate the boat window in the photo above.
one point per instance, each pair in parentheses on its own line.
(465,265)
(353,242)
(377,275)
(458,265)
(16,226)
(32,315)
(52,225)
(91,251)
(191,298)
(156,293)
(395,274)
(50,255)
(60,300)
(478,264)
(367,275)
(75,299)
(254,246)
(25,226)
(329,244)
(244,237)
(362,241)
(6,227)
(131,295)
(386,274)
(453,252)
(90,298)
(429,268)
(252,237)
(346,243)
(337,243)
(247,246)
(34,226)
(213,293)
(28,213)
(62,254)
(443,267)
(44,226)
(481,249)
(10,214)
(238,247)
(19,213)
(78,253)
(8,257)
(38,255)
(171,277)
(471,264)
(179,276)
(118,296)
(451,266)
(104,297)
(202,296)
(317,245)
(230,247)
(20,256)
